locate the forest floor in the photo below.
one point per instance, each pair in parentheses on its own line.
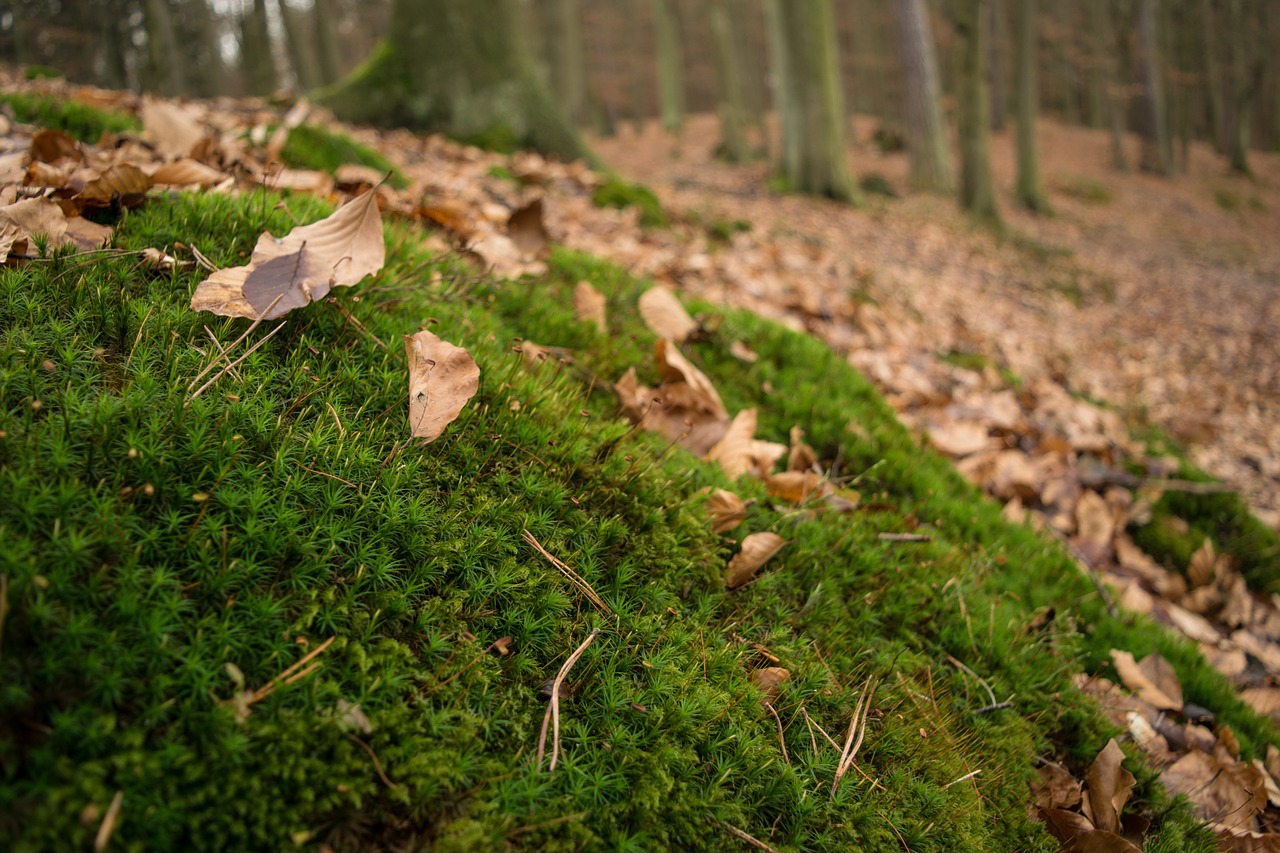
(169,546)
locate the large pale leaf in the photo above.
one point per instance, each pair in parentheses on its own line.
(442,378)
(757,549)
(664,314)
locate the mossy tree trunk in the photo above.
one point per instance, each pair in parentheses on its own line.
(301,47)
(568,61)
(324,17)
(1029,192)
(1157,145)
(1247,73)
(168,74)
(255,50)
(927,144)
(977,189)
(812,102)
(461,68)
(670,64)
(732,103)
(994,24)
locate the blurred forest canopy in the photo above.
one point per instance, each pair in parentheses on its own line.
(1171,70)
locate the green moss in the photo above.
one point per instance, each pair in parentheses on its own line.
(85,123)
(311,147)
(615,192)
(158,548)
(877,184)
(1088,190)
(40,72)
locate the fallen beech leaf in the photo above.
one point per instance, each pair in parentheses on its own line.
(676,370)
(1109,787)
(797,486)
(40,174)
(1064,825)
(1055,788)
(123,182)
(354,176)
(959,439)
(300,267)
(498,254)
(87,235)
(733,451)
(770,680)
(311,181)
(1264,700)
(13,240)
(51,146)
(589,306)
(742,352)
(756,551)
(449,214)
(442,378)
(187,172)
(1221,788)
(1095,527)
(727,510)
(528,231)
(1100,841)
(665,316)
(172,129)
(1153,680)
(802,456)
(37,216)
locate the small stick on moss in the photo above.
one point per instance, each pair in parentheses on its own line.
(998,706)
(377,765)
(4,605)
(962,778)
(573,576)
(553,707)
(858,727)
(960,666)
(749,839)
(233,364)
(211,365)
(351,318)
(904,537)
(294,673)
(782,740)
(138,338)
(108,824)
(521,830)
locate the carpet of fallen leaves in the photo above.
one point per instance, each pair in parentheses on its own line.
(1148,294)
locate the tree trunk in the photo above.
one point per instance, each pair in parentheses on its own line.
(328,55)
(1029,192)
(566,55)
(301,47)
(255,50)
(814,156)
(168,74)
(1246,78)
(1115,38)
(670,66)
(926,128)
(115,73)
(1157,149)
(1096,80)
(733,111)
(977,190)
(212,78)
(994,19)
(457,66)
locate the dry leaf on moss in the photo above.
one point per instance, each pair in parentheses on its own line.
(589,306)
(757,549)
(187,172)
(770,680)
(1153,680)
(173,130)
(959,439)
(1055,788)
(1204,566)
(528,231)
(727,510)
(665,316)
(52,146)
(442,378)
(797,486)
(301,267)
(37,216)
(122,183)
(699,394)
(802,457)
(1109,788)
(733,451)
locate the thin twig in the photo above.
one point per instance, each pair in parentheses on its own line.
(987,709)
(749,839)
(330,476)
(293,673)
(108,824)
(1189,487)
(128,361)
(962,778)
(233,364)
(377,765)
(781,738)
(573,576)
(235,343)
(553,707)
(217,343)
(960,666)
(905,537)
(857,731)
(351,318)
(819,727)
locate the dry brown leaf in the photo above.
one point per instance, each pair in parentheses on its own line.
(351,177)
(311,181)
(53,146)
(770,680)
(757,549)
(727,510)
(1222,788)
(173,130)
(187,172)
(1064,825)
(665,316)
(1264,700)
(733,451)
(1013,474)
(1153,680)
(742,352)
(959,438)
(41,174)
(797,486)
(589,306)
(1095,526)
(1055,788)
(676,371)
(13,240)
(37,216)
(1109,788)
(1098,841)
(442,378)
(802,457)
(527,230)
(1203,568)
(122,183)
(87,235)
(301,267)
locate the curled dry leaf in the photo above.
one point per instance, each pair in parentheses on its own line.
(797,486)
(53,146)
(173,130)
(1204,566)
(13,240)
(1153,680)
(1095,527)
(36,216)
(1109,788)
(733,451)
(300,267)
(442,378)
(770,680)
(187,172)
(727,510)
(1055,788)
(757,549)
(676,370)
(665,316)
(528,231)
(122,183)
(589,306)
(802,457)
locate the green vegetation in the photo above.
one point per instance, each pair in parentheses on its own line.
(85,123)
(1232,200)
(875,183)
(40,72)
(615,192)
(718,228)
(311,147)
(163,553)
(1088,190)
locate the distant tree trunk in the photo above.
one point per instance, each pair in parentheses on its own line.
(637,72)
(977,190)
(670,65)
(780,71)
(1157,148)
(301,47)
(1029,192)
(212,80)
(566,57)
(926,128)
(1115,38)
(169,76)
(1246,83)
(815,160)
(1098,107)
(459,67)
(255,50)
(733,112)
(328,55)
(115,74)
(1213,73)
(994,19)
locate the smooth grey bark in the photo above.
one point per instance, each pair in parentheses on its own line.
(1157,148)
(927,143)
(732,102)
(670,74)
(1029,192)
(461,68)
(977,189)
